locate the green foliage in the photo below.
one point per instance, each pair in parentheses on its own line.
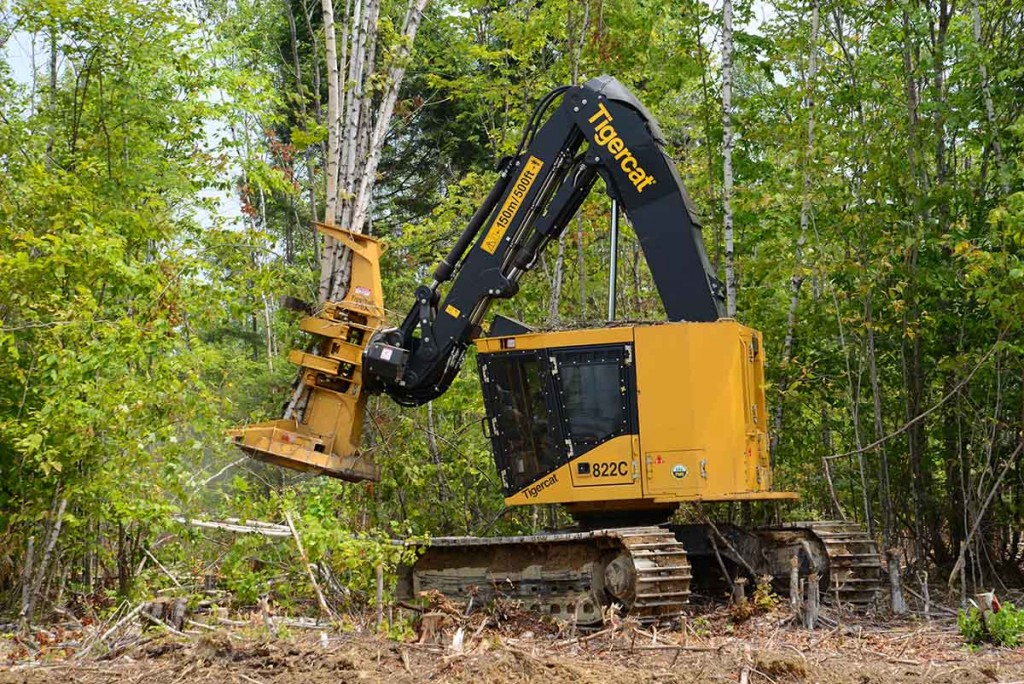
(1005,628)
(700,626)
(110,397)
(765,599)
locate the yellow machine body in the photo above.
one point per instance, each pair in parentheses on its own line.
(688,397)
(323,424)
(699,432)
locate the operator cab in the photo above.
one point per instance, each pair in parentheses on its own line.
(546,406)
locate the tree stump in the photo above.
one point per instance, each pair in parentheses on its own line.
(899,604)
(813,601)
(794,583)
(169,611)
(739,593)
(430,628)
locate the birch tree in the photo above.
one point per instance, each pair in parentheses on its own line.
(796,282)
(333,149)
(727,142)
(986,91)
(361,116)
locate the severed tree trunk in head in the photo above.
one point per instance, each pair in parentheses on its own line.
(358,120)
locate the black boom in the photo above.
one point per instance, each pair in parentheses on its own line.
(538,192)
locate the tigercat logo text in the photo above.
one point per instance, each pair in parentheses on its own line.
(512,203)
(532,492)
(606,136)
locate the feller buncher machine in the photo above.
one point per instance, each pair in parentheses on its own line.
(619,424)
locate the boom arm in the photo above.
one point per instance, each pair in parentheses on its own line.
(537,194)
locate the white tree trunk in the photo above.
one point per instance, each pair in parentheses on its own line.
(24,619)
(353,95)
(364,135)
(333,147)
(805,207)
(362,201)
(730,271)
(343,90)
(366,99)
(44,562)
(990,113)
(350,131)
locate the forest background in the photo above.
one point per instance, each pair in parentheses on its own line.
(162,163)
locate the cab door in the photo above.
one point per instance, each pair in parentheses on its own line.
(522,419)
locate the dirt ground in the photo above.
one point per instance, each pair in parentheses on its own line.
(765,649)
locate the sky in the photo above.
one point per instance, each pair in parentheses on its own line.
(18,53)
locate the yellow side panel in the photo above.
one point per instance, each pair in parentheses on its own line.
(701,404)
(611,464)
(701,414)
(757,431)
(673,473)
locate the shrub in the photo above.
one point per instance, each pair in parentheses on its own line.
(971,627)
(765,599)
(1005,628)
